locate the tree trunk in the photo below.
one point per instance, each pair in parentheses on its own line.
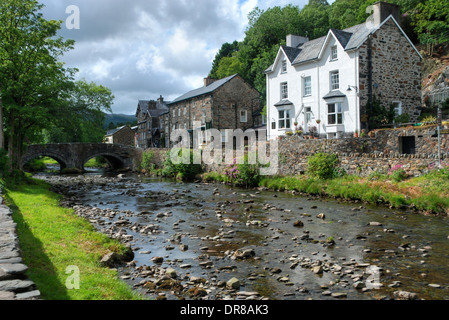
(2,133)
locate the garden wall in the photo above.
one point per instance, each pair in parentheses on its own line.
(360,156)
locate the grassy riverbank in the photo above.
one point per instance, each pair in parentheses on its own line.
(426,193)
(52,239)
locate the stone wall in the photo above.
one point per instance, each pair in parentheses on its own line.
(360,156)
(365,155)
(14,284)
(396,70)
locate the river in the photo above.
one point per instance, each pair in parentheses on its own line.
(279,246)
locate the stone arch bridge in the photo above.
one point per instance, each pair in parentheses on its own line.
(73,156)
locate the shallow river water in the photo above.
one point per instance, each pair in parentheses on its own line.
(200,226)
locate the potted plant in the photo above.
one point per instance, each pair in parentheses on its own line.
(298,132)
(289,133)
(312,131)
(356,134)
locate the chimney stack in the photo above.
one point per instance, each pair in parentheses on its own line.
(382,10)
(160,100)
(208,81)
(295,41)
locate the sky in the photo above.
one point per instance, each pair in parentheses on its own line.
(142,49)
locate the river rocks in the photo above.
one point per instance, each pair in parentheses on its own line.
(405,295)
(321,216)
(157,260)
(233,284)
(243,254)
(113,259)
(298,224)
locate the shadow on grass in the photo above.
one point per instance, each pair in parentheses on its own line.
(40,268)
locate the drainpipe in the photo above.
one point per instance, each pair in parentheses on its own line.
(370,79)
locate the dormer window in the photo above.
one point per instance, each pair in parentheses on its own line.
(334,53)
(284,66)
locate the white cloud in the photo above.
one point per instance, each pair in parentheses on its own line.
(142,49)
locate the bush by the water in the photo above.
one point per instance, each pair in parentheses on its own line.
(324,166)
(181,171)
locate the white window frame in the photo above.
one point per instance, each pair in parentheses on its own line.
(307,86)
(334,78)
(284,90)
(284,66)
(338,111)
(334,53)
(285,120)
(243,116)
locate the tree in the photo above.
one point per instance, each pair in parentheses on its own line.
(315,18)
(266,31)
(431,21)
(227,50)
(229,66)
(31,77)
(343,13)
(79,117)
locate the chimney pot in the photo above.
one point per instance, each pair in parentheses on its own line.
(295,41)
(382,10)
(208,81)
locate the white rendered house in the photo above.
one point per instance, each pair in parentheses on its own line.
(329,83)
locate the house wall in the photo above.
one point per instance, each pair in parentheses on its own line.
(124,137)
(221,109)
(396,71)
(319,71)
(232,98)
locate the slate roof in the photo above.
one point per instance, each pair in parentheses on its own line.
(291,53)
(284,102)
(114,131)
(203,90)
(334,94)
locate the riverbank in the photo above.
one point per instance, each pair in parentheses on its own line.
(428,194)
(62,251)
(191,239)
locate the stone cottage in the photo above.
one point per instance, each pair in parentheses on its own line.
(123,135)
(148,122)
(228,103)
(329,84)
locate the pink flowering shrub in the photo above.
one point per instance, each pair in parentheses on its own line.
(397,173)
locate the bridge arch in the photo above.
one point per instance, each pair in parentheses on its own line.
(115,162)
(73,156)
(29,157)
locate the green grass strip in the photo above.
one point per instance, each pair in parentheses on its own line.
(52,239)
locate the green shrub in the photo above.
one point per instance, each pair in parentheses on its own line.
(181,171)
(323,166)
(243,175)
(147,161)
